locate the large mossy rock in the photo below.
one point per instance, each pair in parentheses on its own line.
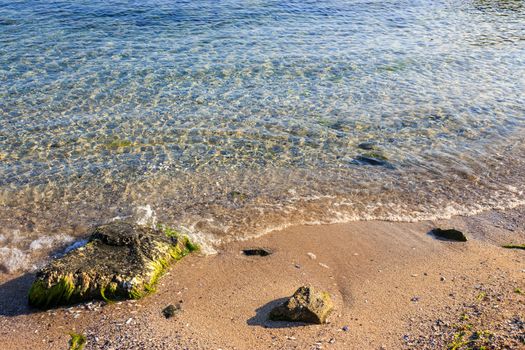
(305,305)
(120,261)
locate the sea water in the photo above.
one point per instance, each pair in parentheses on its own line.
(227,119)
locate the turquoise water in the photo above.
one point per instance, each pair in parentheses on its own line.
(230,118)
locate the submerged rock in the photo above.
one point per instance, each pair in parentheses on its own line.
(450,234)
(236,196)
(305,305)
(374,159)
(367,146)
(257,251)
(120,261)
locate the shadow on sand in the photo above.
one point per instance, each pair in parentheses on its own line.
(13,296)
(14,293)
(261,317)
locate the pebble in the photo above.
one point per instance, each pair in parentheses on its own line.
(171,310)
(312,256)
(346,328)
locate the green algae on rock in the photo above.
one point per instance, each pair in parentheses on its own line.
(118,143)
(514,246)
(305,305)
(236,196)
(120,261)
(77,341)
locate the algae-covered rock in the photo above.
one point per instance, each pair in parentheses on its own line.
(305,305)
(450,234)
(120,261)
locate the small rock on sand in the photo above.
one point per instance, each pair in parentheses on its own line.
(257,251)
(449,234)
(305,305)
(171,310)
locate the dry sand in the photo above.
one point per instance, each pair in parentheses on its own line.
(394,287)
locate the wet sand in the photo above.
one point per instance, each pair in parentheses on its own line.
(394,287)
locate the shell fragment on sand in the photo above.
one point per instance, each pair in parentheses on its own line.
(120,261)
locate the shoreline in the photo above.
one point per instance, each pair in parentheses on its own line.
(393,285)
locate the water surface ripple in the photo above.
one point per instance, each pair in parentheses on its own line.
(230,118)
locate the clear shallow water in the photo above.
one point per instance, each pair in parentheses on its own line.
(232,118)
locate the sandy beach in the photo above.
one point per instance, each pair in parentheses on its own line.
(394,287)
(336,135)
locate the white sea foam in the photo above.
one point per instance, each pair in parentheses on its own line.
(145,216)
(47,242)
(76,245)
(13,260)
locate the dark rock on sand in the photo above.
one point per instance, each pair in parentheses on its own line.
(305,305)
(120,261)
(257,251)
(171,310)
(450,234)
